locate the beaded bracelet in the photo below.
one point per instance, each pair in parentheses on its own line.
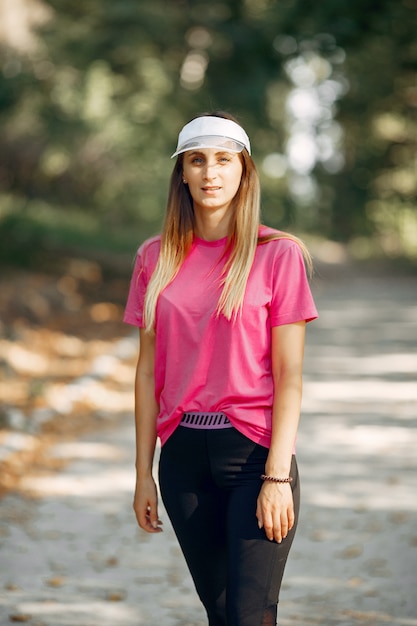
(273,479)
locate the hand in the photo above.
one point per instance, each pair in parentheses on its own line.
(275,510)
(145,505)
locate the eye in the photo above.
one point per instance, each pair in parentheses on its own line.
(197,160)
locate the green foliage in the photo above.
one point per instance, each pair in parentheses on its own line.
(34,233)
(90,114)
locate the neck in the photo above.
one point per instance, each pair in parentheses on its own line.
(212,226)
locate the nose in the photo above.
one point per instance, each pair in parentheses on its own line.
(210,170)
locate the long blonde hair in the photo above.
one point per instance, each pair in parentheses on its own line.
(178,233)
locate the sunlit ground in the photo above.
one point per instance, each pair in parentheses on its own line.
(74,556)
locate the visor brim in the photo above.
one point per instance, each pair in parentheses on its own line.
(221,143)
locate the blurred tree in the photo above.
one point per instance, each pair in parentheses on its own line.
(374,196)
(93,94)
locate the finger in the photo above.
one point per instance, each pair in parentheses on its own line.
(269,527)
(141,517)
(259,517)
(146,521)
(278,531)
(284,525)
(153,519)
(291,519)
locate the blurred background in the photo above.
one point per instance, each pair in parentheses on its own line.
(92,96)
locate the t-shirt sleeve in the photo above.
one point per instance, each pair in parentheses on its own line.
(145,262)
(292,300)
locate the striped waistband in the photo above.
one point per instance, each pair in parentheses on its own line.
(205,421)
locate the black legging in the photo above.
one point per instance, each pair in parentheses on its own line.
(210,481)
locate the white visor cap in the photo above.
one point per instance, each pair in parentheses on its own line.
(212,132)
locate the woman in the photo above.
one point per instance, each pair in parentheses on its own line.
(221,303)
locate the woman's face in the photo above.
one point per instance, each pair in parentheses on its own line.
(213,177)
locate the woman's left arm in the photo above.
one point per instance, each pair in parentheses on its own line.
(275,509)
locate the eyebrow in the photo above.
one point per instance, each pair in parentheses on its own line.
(191,153)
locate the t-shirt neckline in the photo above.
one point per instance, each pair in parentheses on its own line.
(211,244)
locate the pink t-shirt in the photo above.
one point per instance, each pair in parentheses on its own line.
(207,363)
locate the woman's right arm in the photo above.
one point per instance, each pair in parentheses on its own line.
(145,503)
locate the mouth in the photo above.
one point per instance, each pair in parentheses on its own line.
(211,188)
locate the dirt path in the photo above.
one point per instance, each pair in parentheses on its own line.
(71,554)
